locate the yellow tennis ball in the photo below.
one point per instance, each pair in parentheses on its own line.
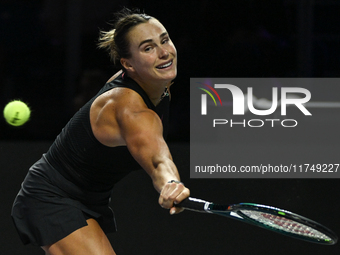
(17,113)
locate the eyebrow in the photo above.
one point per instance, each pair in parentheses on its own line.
(150,40)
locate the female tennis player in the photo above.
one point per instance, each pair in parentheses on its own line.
(63,205)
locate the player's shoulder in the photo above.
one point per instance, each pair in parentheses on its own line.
(125,104)
(126,98)
(118,100)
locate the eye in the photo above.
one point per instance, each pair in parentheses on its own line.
(165,40)
(148,48)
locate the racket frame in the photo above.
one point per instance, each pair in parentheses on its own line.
(235,211)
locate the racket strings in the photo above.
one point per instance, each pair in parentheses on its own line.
(284,224)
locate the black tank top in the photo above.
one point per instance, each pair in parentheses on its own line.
(82,159)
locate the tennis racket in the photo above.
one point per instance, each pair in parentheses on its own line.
(268,217)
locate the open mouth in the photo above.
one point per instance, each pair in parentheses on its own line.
(165,65)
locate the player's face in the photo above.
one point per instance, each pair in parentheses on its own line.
(153,55)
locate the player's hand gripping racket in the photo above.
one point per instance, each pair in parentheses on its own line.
(268,217)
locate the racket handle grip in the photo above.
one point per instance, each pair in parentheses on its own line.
(194,204)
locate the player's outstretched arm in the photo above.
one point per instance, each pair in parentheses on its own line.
(142,131)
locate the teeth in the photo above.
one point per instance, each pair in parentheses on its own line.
(165,66)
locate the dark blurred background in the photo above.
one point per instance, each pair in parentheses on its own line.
(49,59)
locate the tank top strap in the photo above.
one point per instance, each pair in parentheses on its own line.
(126,82)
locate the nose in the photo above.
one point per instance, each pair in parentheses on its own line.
(164,53)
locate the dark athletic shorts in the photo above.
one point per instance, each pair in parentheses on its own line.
(48,207)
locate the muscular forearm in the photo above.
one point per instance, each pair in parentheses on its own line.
(164,171)
(170,192)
